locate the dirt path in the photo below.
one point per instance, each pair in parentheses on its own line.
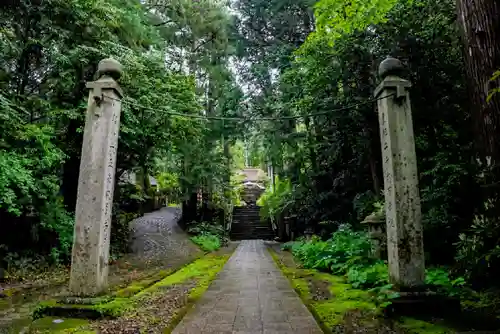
(157,244)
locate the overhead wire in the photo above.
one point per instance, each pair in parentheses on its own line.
(252,119)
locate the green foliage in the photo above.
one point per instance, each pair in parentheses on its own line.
(348,253)
(54,217)
(206,228)
(336,17)
(496,90)
(50,49)
(209,236)
(27,163)
(169,185)
(207,242)
(331,155)
(274,201)
(120,233)
(440,279)
(346,248)
(375,275)
(477,247)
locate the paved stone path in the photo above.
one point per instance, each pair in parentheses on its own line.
(250,295)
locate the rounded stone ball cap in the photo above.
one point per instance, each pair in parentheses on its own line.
(110,67)
(390,66)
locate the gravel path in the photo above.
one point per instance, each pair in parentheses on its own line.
(157,239)
(250,295)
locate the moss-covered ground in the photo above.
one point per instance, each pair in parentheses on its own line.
(339,308)
(152,306)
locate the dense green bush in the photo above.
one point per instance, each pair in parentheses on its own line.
(478,251)
(207,242)
(209,236)
(348,253)
(55,218)
(440,280)
(346,248)
(371,276)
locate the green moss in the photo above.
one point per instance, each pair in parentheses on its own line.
(202,271)
(343,299)
(115,308)
(211,269)
(100,307)
(329,312)
(19,325)
(4,304)
(202,268)
(419,326)
(129,290)
(47,325)
(135,288)
(332,312)
(10,292)
(111,309)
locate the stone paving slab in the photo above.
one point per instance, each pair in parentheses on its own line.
(250,295)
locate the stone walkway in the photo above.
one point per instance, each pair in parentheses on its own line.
(250,295)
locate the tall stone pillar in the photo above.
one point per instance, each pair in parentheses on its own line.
(402,200)
(89,264)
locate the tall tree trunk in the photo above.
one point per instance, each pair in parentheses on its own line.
(480,24)
(311,135)
(189,209)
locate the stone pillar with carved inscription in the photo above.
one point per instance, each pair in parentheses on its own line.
(402,200)
(89,264)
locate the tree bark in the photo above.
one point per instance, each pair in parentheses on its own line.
(480,24)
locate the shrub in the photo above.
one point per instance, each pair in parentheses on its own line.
(344,249)
(348,253)
(55,218)
(205,227)
(207,242)
(206,232)
(440,280)
(478,252)
(372,276)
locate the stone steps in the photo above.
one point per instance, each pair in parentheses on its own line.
(247,225)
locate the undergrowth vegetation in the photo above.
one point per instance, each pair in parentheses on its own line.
(209,236)
(349,253)
(340,308)
(275,200)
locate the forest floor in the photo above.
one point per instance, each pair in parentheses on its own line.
(159,247)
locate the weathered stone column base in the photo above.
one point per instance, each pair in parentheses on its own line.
(75,307)
(423,303)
